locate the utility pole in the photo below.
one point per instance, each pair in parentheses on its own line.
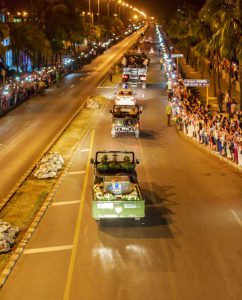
(98,12)
(108,8)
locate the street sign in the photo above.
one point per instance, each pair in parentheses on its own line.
(196,82)
(177,55)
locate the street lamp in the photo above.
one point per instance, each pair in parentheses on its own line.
(98,12)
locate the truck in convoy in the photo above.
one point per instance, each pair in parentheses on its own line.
(134,66)
(116,192)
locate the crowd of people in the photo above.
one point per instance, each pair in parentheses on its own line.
(222,132)
(19,89)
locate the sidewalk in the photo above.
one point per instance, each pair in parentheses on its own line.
(190,73)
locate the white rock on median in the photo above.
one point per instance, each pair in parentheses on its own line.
(49,166)
(92,104)
(7,236)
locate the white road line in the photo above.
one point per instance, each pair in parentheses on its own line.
(236,217)
(84,150)
(72,86)
(66,203)
(48,249)
(76,172)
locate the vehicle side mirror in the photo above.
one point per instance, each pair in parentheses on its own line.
(92,161)
(137,161)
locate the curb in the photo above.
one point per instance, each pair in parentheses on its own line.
(210,151)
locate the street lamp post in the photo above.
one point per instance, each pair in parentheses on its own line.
(108,8)
(98,12)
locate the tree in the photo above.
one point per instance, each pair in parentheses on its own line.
(225,19)
(59,20)
(4,33)
(27,40)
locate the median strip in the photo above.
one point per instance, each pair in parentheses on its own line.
(29,203)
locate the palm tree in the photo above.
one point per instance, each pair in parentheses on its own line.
(181,29)
(226,16)
(4,33)
(27,40)
(59,19)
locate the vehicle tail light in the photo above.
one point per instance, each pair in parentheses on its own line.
(125,76)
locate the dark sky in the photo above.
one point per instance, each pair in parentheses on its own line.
(164,7)
(151,7)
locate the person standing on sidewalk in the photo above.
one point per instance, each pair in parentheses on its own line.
(168,113)
(58,78)
(220,97)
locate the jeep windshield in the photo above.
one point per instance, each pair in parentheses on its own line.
(114,156)
(125,110)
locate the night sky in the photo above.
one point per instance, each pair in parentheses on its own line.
(163,8)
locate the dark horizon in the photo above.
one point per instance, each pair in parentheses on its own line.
(161,8)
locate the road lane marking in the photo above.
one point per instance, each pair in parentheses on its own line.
(78,225)
(76,172)
(65,203)
(48,249)
(236,217)
(84,150)
(72,86)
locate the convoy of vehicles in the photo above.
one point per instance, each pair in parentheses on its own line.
(125,118)
(116,192)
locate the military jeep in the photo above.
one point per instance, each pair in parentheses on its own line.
(126,119)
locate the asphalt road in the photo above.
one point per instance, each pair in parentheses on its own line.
(28,130)
(187,247)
